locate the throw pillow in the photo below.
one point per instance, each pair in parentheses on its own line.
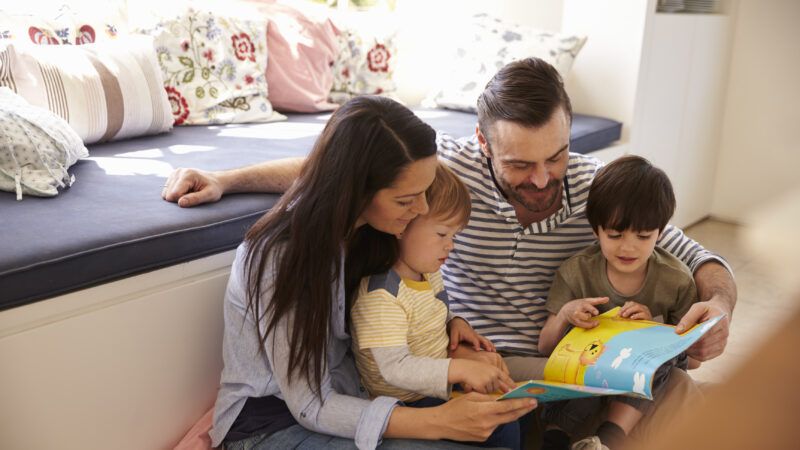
(214,68)
(105,91)
(489,44)
(65,24)
(302,44)
(365,65)
(36,148)
(35,29)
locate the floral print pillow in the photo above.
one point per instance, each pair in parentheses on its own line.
(65,26)
(489,44)
(214,69)
(365,65)
(36,30)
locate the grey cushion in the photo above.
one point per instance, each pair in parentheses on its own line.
(117,223)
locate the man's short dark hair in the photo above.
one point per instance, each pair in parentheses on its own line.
(526,92)
(630,194)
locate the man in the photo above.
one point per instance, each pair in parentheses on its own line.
(529,195)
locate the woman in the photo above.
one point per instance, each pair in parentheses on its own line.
(289,377)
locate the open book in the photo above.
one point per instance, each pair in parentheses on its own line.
(618,356)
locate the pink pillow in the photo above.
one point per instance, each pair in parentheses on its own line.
(197,438)
(302,50)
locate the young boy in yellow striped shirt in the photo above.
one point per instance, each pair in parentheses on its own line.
(405,340)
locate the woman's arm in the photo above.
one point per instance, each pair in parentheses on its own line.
(471,417)
(325,410)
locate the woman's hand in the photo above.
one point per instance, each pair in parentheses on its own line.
(461,331)
(473,417)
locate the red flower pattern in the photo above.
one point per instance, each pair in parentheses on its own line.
(85,35)
(378,58)
(243,47)
(180,110)
(42,37)
(209,55)
(185,46)
(249,79)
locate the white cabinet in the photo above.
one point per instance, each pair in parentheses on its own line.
(664,77)
(679,101)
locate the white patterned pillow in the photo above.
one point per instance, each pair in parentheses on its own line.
(65,24)
(36,148)
(365,65)
(105,91)
(214,68)
(488,45)
(35,29)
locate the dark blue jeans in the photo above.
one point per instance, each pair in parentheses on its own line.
(505,436)
(298,438)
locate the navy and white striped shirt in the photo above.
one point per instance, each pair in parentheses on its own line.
(499,273)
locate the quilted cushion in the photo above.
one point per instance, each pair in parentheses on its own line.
(36,148)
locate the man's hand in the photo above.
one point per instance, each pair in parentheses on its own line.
(580,312)
(461,331)
(717,293)
(191,187)
(712,344)
(635,311)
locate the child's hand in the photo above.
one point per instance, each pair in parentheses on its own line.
(479,376)
(460,331)
(491,358)
(580,312)
(636,311)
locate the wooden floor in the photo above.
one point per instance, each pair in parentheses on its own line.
(764,301)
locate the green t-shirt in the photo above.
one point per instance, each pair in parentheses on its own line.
(668,290)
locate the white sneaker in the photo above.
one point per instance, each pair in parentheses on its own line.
(589,443)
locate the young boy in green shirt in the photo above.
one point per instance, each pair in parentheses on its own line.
(630,202)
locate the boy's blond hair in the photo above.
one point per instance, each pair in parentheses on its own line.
(448,197)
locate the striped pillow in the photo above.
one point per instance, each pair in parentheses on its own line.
(105,91)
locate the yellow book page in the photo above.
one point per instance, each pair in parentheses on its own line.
(581,348)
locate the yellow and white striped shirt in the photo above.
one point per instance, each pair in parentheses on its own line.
(394,312)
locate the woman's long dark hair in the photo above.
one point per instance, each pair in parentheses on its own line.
(363,148)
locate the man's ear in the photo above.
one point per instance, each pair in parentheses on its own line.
(484,143)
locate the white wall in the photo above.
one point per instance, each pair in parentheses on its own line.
(605,75)
(425,28)
(760,154)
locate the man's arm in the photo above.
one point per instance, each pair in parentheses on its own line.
(717,295)
(191,187)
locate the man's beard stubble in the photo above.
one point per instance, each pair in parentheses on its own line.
(543,203)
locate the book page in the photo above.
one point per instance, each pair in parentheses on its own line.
(619,353)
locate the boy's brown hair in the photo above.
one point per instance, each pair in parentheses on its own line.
(630,194)
(448,197)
